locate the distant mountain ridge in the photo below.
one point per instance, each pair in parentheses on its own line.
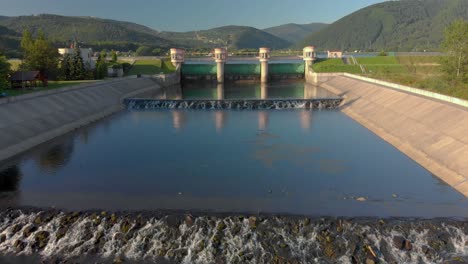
(295,32)
(237,37)
(97,31)
(404,25)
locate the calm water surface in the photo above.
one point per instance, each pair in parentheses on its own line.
(299,162)
(247,90)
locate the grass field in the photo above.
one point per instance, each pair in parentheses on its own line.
(151,66)
(424,72)
(334,65)
(51,85)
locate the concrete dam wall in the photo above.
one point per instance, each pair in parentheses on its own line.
(432,132)
(32,119)
(248,71)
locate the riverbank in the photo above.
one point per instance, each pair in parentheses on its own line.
(430,131)
(31,119)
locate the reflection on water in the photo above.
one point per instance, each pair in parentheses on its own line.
(220,120)
(262,120)
(178,119)
(306,120)
(275,90)
(57,155)
(292,161)
(9,179)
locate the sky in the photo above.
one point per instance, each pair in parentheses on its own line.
(187,15)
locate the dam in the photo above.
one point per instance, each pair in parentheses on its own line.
(251,165)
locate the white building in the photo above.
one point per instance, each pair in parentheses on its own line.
(86,55)
(334,54)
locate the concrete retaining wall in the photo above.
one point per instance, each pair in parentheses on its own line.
(432,132)
(32,119)
(412,90)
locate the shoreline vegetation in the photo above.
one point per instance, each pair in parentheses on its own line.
(422,72)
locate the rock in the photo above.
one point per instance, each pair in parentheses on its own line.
(221,226)
(2,238)
(60,233)
(370,261)
(41,239)
(29,230)
(19,245)
(125,226)
(408,246)
(253,222)
(399,242)
(188,220)
(16,228)
(402,243)
(38,220)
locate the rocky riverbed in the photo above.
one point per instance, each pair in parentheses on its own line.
(53,236)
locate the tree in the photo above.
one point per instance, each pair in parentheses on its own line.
(39,54)
(455,45)
(157,52)
(77,68)
(4,71)
(143,51)
(114,56)
(65,66)
(101,68)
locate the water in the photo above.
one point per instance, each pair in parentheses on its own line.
(276,161)
(206,186)
(246,90)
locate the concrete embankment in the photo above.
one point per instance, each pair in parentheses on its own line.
(432,132)
(32,119)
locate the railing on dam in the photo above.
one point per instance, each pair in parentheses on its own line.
(243,69)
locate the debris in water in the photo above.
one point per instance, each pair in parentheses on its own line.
(361,199)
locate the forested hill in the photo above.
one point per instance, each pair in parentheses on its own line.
(236,37)
(295,32)
(105,33)
(86,29)
(394,25)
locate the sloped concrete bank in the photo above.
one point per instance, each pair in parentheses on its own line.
(430,130)
(32,119)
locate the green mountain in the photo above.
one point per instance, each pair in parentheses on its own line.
(237,37)
(295,32)
(406,25)
(9,41)
(105,33)
(86,29)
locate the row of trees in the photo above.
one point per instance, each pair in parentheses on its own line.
(4,71)
(39,54)
(455,45)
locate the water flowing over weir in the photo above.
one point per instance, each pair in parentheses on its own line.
(141,104)
(177,238)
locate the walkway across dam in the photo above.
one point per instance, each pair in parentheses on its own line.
(431,132)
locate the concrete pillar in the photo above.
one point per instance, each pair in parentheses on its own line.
(177,58)
(263,91)
(220,91)
(220,59)
(264,57)
(309,56)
